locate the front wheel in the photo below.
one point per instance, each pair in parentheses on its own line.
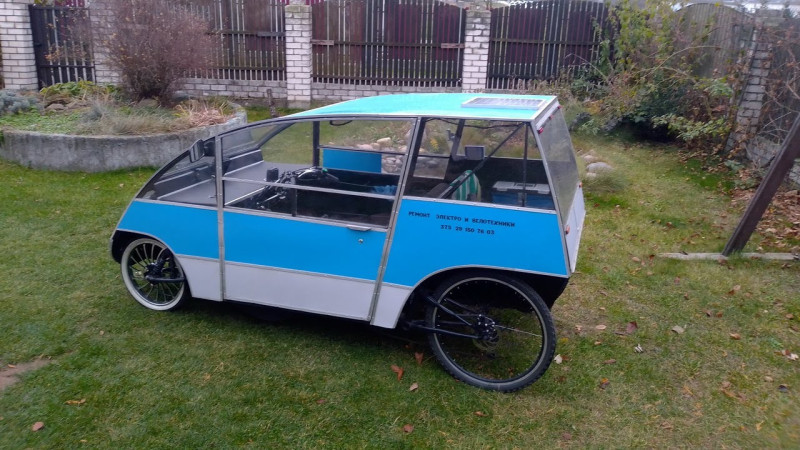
(490,331)
(153,276)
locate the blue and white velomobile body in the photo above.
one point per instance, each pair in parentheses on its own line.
(349,209)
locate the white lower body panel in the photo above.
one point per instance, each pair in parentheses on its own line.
(203,276)
(301,291)
(390,304)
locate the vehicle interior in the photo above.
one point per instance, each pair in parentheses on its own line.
(345,170)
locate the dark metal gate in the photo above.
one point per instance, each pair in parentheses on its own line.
(62,38)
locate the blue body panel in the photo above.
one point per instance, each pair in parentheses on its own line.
(432,236)
(351,160)
(305,246)
(186,230)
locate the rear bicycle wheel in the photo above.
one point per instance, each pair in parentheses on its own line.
(492,331)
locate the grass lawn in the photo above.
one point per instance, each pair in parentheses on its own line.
(209,375)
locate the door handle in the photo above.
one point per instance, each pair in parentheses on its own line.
(358,228)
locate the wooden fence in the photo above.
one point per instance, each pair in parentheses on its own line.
(251,37)
(716,37)
(540,40)
(406,42)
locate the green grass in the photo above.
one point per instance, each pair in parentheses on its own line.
(210,375)
(42,123)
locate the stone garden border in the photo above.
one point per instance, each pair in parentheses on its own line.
(103,153)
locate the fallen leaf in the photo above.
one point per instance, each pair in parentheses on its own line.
(735,336)
(719,313)
(558,359)
(635,259)
(726,384)
(638,348)
(784,388)
(600,327)
(790,316)
(37,426)
(758,426)
(709,313)
(598,342)
(728,393)
(678,329)
(413,387)
(76,402)
(399,371)
(578,328)
(566,436)
(11,366)
(792,356)
(631,327)
(480,414)
(604,383)
(610,361)
(408,428)
(734,290)
(768,379)
(418,356)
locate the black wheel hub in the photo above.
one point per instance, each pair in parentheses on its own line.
(486,329)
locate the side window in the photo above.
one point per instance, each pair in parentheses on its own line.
(480,161)
(185,180)
(337,170)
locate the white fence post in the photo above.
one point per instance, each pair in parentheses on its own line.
(100,16)
(476,48)
(19,64)
(298,54)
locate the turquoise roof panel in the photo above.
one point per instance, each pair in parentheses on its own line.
(435,105)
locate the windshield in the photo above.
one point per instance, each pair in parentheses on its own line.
(559,157)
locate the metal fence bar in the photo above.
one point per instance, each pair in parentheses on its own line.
(251,42)
(387,42)
(543,40)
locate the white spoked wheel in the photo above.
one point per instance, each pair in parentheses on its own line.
(153,276)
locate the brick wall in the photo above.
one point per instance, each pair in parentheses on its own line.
(100,15)
(298,54)
(476,49)
(245,89)
(19,65)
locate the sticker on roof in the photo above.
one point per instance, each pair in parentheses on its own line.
(503,103)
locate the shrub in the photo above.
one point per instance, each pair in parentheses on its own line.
(13,103)
(153,44)
(647,76)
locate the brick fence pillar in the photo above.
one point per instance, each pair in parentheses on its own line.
(100,16)
(298,54)
(476,48)
(19,64)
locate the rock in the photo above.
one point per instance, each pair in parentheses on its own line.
(55,107)
(590,176)
(589,158)
(148,103)
(384,142)
(599,167)
(364,147)
(75,104)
